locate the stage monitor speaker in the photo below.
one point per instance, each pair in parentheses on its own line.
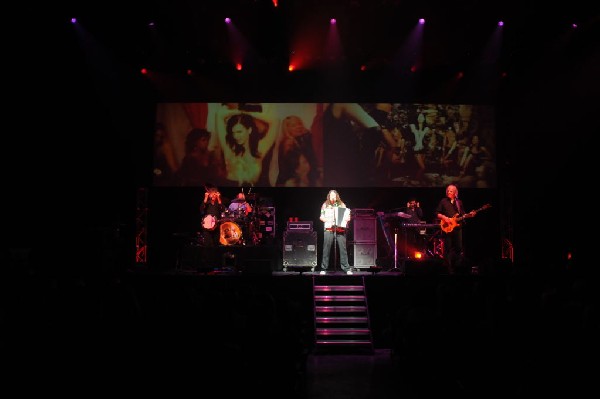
(365,255)
(300,249)
(365,229)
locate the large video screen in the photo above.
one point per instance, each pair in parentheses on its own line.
(324,145)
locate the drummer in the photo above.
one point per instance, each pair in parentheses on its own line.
(239,206)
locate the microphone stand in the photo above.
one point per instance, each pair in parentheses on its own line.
(395,249)
(402,269)
(334,238)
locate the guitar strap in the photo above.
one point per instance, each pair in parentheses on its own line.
(455,206)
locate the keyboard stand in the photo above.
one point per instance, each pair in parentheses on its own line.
(403,266)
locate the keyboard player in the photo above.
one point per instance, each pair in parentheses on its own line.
(413,208)
(415,236)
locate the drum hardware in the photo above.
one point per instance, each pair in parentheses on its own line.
(239,213)
(254,231)
(250,226)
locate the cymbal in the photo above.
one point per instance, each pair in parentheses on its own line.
(404,215)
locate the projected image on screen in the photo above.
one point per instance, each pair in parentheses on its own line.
(324,145)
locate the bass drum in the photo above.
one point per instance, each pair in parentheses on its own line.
(231,233)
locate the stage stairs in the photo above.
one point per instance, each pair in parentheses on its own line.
(341,313)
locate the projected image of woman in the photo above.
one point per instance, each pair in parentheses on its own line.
(420,130)
(246,138)
(200,165)
(165,160)
(297,161)
(475,162)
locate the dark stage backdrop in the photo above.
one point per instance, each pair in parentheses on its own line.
(324,145)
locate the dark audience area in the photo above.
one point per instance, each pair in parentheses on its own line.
(510,332)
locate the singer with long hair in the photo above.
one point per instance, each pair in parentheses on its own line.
(334,230)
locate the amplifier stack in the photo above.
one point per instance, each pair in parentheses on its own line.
(364,239)
(300,246)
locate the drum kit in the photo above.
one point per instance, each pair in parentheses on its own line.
(236,227)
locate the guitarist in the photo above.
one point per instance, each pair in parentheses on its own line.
(446,211)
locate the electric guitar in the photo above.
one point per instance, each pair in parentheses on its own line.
(448,226)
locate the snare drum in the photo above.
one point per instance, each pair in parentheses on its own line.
(231,233)
(240,216)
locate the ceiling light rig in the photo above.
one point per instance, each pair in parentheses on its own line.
(339,50)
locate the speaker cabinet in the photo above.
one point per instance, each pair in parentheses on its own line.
(364,254)
(300,249)
(365,229)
